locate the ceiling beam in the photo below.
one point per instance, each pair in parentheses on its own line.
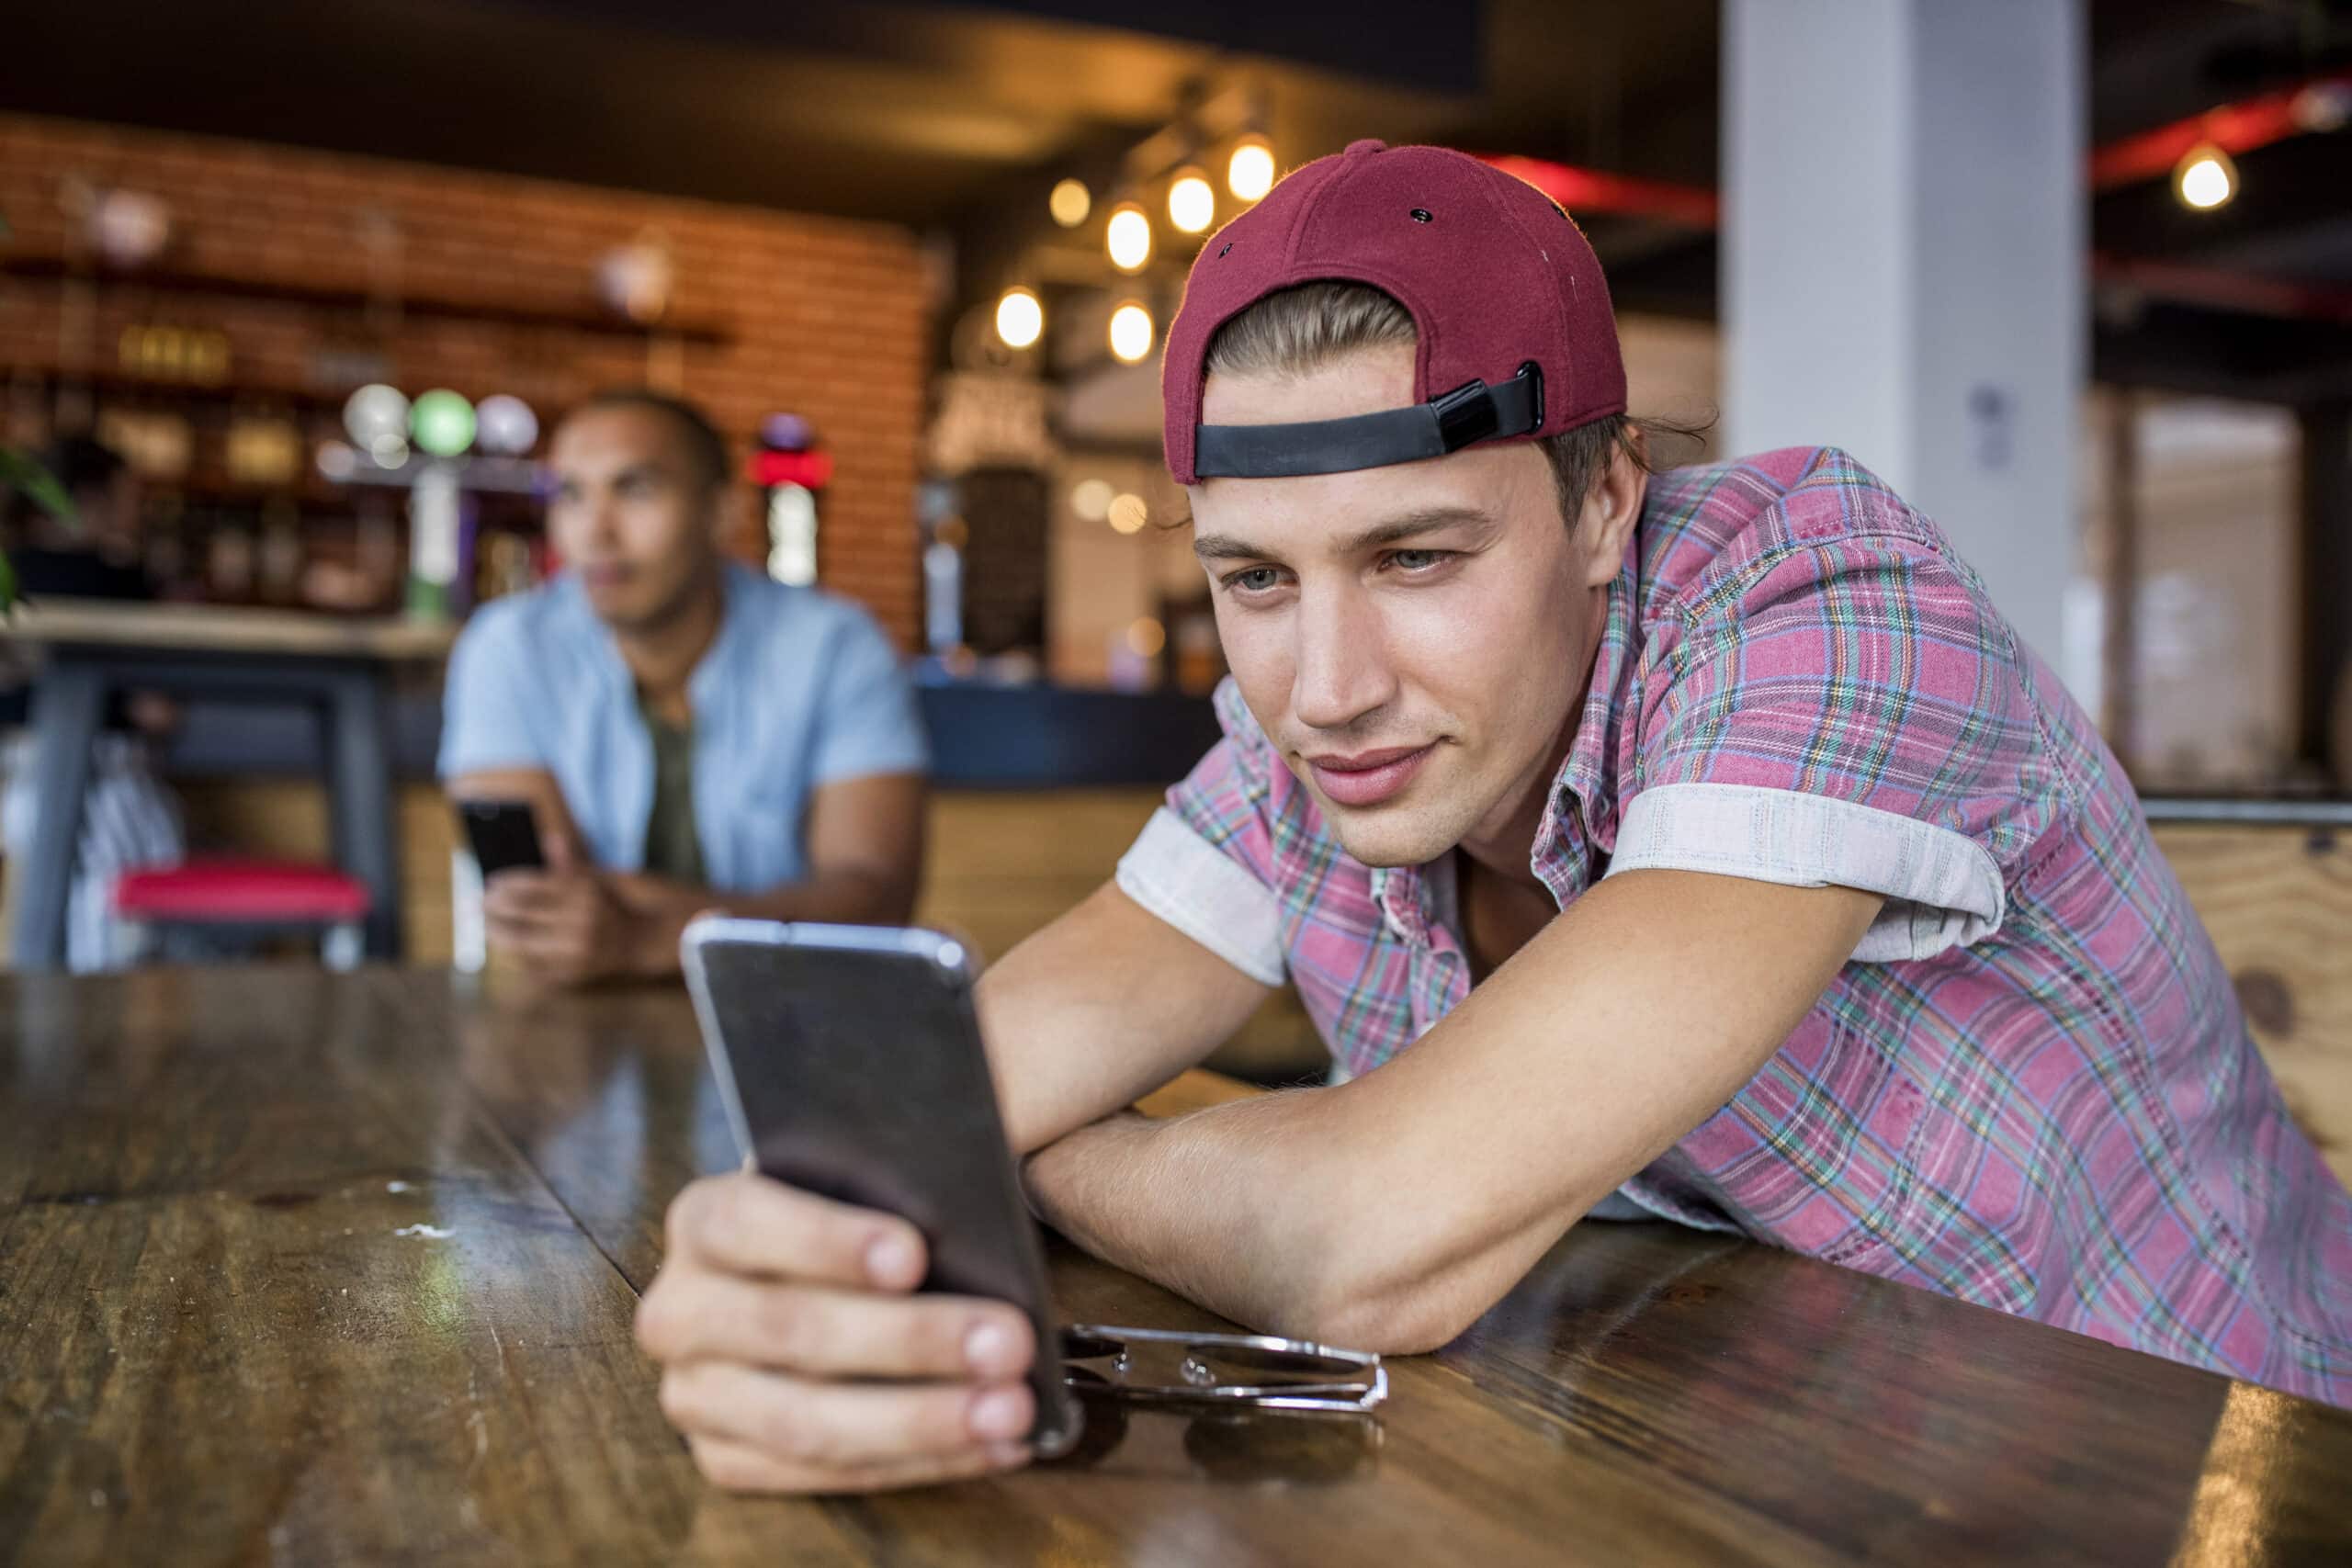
(2317,104)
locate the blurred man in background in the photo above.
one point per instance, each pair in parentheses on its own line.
(689,735)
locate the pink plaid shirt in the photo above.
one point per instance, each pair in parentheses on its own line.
(2031,1087)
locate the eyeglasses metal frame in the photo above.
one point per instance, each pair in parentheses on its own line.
(1351,1395)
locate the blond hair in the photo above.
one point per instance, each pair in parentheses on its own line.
(1297,331)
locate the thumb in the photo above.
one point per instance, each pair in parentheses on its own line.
(563,852)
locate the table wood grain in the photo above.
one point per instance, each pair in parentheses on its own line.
(340,1269)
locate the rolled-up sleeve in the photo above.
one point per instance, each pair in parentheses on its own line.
(491,713)
(869,723)
(1205,863)
(1851,712)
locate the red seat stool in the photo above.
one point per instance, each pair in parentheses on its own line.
(243,898)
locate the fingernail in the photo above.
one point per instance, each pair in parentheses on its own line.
(890,1260)
(992,1349)
(997,1414)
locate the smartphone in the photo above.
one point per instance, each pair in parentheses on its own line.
(503,834)
(850,1062)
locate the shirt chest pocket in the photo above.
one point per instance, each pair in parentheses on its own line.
(1818,1151)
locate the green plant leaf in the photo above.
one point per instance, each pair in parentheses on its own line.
(19,472)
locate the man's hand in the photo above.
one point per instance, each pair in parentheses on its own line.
(797,1358)
(571,926)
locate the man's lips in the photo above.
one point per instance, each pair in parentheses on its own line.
(1367,778)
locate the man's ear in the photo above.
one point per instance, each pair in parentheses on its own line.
(1611,508)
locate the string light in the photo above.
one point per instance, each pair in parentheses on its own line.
(1070,203)
(1127,237)
(1131,330)
(1249,172)
(1191,203)
(1090,499)
(1020,318)
(1146,636)
(1128,514)
(2205,178)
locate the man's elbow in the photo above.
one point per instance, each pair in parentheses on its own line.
(1417,1294)
(869,895)
(894,902)
(1389,1317)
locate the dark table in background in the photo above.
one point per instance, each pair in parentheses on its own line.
(338,668)
(307,1268)
(982,737)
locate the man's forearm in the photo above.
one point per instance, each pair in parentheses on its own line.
(1387,1213)
(1248,1209)
(843,896)
(846,896)
(1192,1202)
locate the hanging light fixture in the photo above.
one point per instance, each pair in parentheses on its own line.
(1131,332)
(375,412)
(441,421)
(1070,203)
(1127,237)
(1020,318)
(1191,201)
(1249,172)
(505,425)
(2205,178)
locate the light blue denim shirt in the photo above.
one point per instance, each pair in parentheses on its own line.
(800,689)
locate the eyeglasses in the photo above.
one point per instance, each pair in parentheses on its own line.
(1165,1366)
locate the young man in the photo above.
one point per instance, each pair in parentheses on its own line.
(691,736)
(1705,848)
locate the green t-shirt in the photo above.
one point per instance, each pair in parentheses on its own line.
(672,847)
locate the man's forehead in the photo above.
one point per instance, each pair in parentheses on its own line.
(1314,512)
(615,437)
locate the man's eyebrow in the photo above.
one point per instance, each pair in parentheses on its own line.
(1224,546)
(1413,524)
(1389,531)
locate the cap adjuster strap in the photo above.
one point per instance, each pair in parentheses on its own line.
(1471,412)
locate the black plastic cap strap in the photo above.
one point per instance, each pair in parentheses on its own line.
(1471,412)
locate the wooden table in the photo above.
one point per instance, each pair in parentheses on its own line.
(340,1269)
(340,665)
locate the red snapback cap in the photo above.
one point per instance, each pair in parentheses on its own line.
(1517,339)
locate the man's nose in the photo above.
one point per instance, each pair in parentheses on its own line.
(1341,671)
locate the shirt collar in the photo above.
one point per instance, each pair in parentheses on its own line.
(707,683)
(1581,814)
(710,681)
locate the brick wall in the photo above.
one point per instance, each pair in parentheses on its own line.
(821,316)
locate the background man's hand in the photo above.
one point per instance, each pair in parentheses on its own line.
(568,926)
